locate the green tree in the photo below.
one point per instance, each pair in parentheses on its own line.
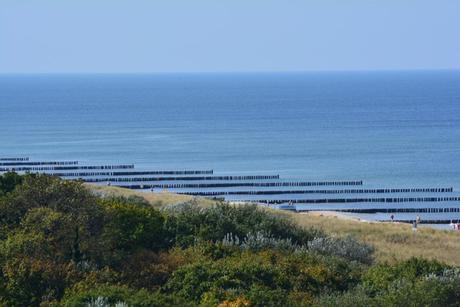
(128,228)
(29,282)
(44,191)
(8,182)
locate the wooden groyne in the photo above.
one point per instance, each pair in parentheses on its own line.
(166,172)
(188,178)
(399,210)
(242,184)
(15,159)
(425,221)
(64,168)
(29,163)
(354,191)
(134,173)
(355,200)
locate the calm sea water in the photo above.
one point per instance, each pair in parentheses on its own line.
(389,129)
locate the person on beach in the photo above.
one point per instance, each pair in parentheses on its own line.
(392,217)
(418,219)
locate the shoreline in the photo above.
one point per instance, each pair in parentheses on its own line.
(334,214)
(346,217)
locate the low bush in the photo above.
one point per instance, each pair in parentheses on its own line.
(111,295)
(260,241)
(347,247)
(381,277)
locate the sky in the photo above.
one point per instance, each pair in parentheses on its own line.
(149,36)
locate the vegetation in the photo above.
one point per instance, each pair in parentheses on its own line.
(62,244)
(392,241)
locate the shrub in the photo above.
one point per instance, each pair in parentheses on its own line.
(448,275)
(262,296)
(188,223)
(348,248)
(110,295)
(380,277)
(356,297)
(259,241)
(421,292)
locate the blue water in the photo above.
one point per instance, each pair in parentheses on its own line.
(390,129)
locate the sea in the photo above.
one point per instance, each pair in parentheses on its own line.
(389,128)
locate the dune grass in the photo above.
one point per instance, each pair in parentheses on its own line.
(392,241)
(157,199)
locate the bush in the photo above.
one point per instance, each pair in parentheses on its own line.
(421,292)
(381,277)
(347,248)
(356,297)
(110,295)
(260,241)
(262,296)
(448,275)
(188,223)
(401,292)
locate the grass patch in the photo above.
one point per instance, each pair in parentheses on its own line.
(392,241)
(156,199)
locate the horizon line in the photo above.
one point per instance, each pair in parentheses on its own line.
(232,72)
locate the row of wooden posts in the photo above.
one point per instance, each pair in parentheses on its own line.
(349,191)
(355,200)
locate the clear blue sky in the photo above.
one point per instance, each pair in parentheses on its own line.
(227,35)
